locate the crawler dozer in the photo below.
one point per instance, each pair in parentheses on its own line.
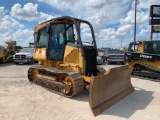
(6,54)
(144,57)
(66,50)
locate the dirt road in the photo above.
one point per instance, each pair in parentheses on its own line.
(21,100)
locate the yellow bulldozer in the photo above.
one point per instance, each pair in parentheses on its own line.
(66,50)
(144,57)
(6,54)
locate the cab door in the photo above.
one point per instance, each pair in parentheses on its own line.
(57,40)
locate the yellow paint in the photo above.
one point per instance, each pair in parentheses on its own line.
(48,22)
(140,47)
(141,50)
(155,63)
(72,60)
(40,53)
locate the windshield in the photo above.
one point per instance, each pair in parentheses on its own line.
(114,52)
(152,47)
(29,50)
(57,41)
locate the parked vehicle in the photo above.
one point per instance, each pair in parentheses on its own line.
(113,55)
(68,64)
(6,54)
(24,56)
(144,57)
(99,60)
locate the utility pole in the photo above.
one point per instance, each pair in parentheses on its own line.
(121,43)
(135,22)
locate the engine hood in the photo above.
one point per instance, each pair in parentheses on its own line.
(115,54)
(24,53)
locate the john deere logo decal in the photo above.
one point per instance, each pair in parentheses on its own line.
(145,56)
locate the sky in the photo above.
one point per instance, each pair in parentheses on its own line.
(112,20)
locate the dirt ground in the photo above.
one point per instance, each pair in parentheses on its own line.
(21,100)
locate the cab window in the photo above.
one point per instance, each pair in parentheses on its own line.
(69,33)
(42,38)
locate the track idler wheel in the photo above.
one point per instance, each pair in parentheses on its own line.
(32,74)
(138,67)
(70,82)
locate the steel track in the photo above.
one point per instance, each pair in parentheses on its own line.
(153,76)
(78,80)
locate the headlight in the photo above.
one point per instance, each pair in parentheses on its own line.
(28,56)
(126,58)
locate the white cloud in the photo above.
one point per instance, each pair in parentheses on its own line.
(104,12)
(95,3)
(10,29)
(99,20)
(144,33)
(2,12)
(60,4)
(113,20)
(29,12)
(73,4)
(8,25)
(145,4)
(142,17)
(106,34)
(112,38)
(24,37)
(125,28)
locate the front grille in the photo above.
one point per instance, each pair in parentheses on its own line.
(91,61)
(23,56)
(116,56)
(17,56)
(20,56)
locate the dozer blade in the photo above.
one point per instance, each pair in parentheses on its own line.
(107,89)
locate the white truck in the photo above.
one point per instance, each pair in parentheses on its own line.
(24,56)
